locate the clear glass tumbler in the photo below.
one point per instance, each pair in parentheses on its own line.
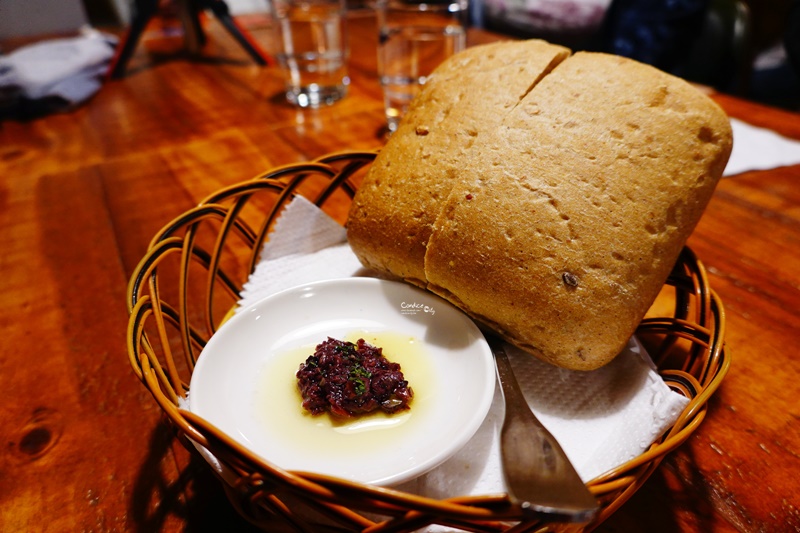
(414,38)
(312,50)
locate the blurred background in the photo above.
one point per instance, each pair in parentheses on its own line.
(744,47)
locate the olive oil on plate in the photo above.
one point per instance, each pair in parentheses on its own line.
(280,403)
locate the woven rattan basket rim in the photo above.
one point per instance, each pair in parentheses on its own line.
(267,495)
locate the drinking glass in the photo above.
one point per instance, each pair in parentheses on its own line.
(414,38)
(312,51)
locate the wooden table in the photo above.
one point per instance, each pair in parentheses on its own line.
(83,445)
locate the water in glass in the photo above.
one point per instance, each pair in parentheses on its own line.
(407,56)
(313,52)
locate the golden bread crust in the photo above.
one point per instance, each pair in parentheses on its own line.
(393,214)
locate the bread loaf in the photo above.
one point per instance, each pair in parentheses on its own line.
(550,204)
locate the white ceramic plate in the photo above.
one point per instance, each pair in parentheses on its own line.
(244,381)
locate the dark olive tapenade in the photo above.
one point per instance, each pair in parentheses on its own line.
(350,379)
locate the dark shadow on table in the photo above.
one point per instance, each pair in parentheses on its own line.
(155,59)
(195,498)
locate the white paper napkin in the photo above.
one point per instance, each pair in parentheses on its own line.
(756,148)
(69,68)
(305,246)
(601,418)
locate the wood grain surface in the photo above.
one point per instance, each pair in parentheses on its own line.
(84,447)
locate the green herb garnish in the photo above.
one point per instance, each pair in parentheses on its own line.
(357,376)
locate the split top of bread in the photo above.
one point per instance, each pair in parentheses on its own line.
(547,194)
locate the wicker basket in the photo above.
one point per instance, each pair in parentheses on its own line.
(190,278)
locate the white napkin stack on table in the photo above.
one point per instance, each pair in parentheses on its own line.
(68,68)
(756,148)
(601,418)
